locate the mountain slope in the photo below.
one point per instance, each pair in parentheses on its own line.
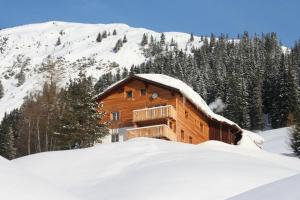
(32,49)
(277,141)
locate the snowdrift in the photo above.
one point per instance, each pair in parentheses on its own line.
(17,184)
(286,189)
(145,168)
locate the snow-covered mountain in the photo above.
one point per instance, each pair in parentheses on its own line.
(33,49)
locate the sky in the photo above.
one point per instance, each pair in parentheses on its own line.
(201,17)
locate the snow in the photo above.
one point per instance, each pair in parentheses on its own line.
(36,44)
(287,189)
(144,168)
(277,141)
(16,184)
(188,92)
(251,140)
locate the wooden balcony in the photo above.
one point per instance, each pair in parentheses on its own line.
(156,131)
(154,113)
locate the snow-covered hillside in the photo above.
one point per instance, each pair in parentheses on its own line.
(144,168)
(32,48)
(277,141)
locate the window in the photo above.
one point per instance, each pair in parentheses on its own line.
(182,135)
(186,114)
(115,137)
(143,92)
(129,94)
(115,116)
(190,140)
(201,127)
(171,125)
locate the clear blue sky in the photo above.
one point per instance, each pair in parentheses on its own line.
(201,17)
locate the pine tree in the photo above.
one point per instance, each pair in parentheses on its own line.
(1,90)
(99,38)
(20,77)
(280,104)
(7,148)
(173,43)
(125,73)
(118,75)
(80,115)
(118,46)
(295,136)
(104,34)
(162,39)
(191,37)
(58,42)
(114,32)
(144,40)
(124,39)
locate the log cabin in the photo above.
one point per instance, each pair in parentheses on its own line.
(159,106)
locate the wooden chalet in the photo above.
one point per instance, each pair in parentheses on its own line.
(159,106)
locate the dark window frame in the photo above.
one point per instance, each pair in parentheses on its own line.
(182,135)
(190,140)
(143,92)
(115,116)
(186,114)
(115,137)
(129,94)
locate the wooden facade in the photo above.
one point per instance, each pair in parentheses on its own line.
(150,109)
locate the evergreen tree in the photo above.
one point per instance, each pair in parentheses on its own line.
(114,32)
(118,46)
(1,90)
(58,42)
(173,43)
(295,136)
(162,39)
(7,148)
(144,40)
(80,115)
(124,39)
(118,75)
(191,37)
(99,38)
(20,77)
(125,73)
(104,34)
(280,105)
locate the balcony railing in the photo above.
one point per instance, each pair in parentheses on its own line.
(156,131)
(154,113)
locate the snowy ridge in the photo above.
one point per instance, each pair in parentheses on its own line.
(144,168)
(30,47)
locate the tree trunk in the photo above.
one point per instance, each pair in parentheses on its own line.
(38,135)
(29,138)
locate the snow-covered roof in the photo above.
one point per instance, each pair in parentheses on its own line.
(183,88)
